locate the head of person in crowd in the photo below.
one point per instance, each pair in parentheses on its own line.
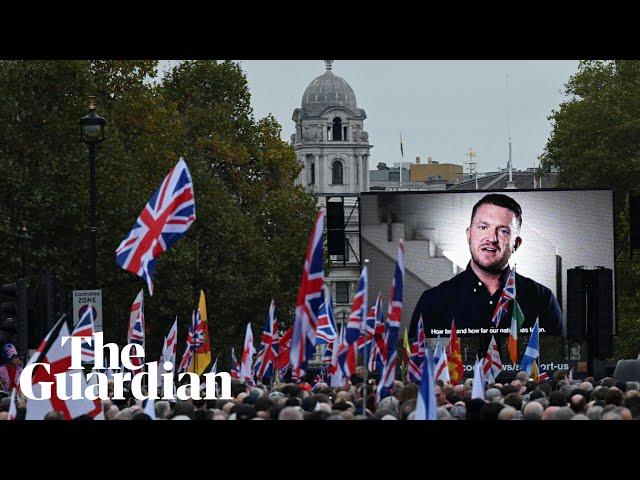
(162,409)
(614,397)
(514,400)
(545,387)
(442,414)
(458,411)
(124,414)
(490,411)
(406,408)
(54,415)
(532,411)
(594,413)
(586,387)
(549,412)
(508,413)
(441,398)
(522,376)
(290,413)
(578,403)
(607,382)
(580,416)
(474,407)
(557,399)
(410,391)
(563,413)
(397,388)
(507,389)
(493,395)
(245,412)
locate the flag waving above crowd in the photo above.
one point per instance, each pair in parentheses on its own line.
(310,297)
(163,221)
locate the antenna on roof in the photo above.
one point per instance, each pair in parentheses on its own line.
(510,183)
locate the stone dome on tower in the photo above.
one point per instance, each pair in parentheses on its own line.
(326,91)
(330,140)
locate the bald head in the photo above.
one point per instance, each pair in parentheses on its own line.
(533,411)
(550,412)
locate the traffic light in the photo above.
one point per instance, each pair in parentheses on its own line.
(14,322)
(47,302)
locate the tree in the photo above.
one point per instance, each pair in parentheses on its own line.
(253,223)
(595,142)
(248,242)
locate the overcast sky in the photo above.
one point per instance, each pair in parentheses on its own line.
(441,108)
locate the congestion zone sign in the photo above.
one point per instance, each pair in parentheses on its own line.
(84,299)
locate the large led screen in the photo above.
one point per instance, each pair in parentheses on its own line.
(558,230)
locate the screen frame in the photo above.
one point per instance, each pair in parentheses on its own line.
(506,192)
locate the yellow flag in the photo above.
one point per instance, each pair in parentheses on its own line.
(534,371)
(202,358)
(406,354)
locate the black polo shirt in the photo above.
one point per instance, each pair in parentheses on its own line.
(466,299)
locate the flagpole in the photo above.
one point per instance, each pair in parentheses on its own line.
(366,352)
(401,160)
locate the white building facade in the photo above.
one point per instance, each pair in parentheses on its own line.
(333,148)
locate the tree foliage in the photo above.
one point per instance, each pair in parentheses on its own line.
(247,244)
(595,142)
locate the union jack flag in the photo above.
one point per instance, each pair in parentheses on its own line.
(84,328)
(187,356)
(189,349)
(379,348)
(414,370)
(10,350)
(197,332)
(508,294)
(364,342)
(235,368)
(347,356)
(334,370)
(394,315)
(326,331)
(269,350)
(135,334)
(284,350)
(328,353)
(358,309)
(164,220)
(308,302)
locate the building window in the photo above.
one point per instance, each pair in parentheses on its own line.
(313,174)
(342,292)
(336,173)
(344,132)
(337,129)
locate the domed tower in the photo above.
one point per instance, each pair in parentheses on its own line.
(333,148)
(330,140)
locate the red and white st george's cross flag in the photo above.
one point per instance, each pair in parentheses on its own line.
(58,357)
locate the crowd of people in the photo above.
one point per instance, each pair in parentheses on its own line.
(559,398)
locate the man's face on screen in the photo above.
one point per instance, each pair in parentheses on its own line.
(493,237)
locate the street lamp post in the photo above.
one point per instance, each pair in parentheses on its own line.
(92,133)
(25,239)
